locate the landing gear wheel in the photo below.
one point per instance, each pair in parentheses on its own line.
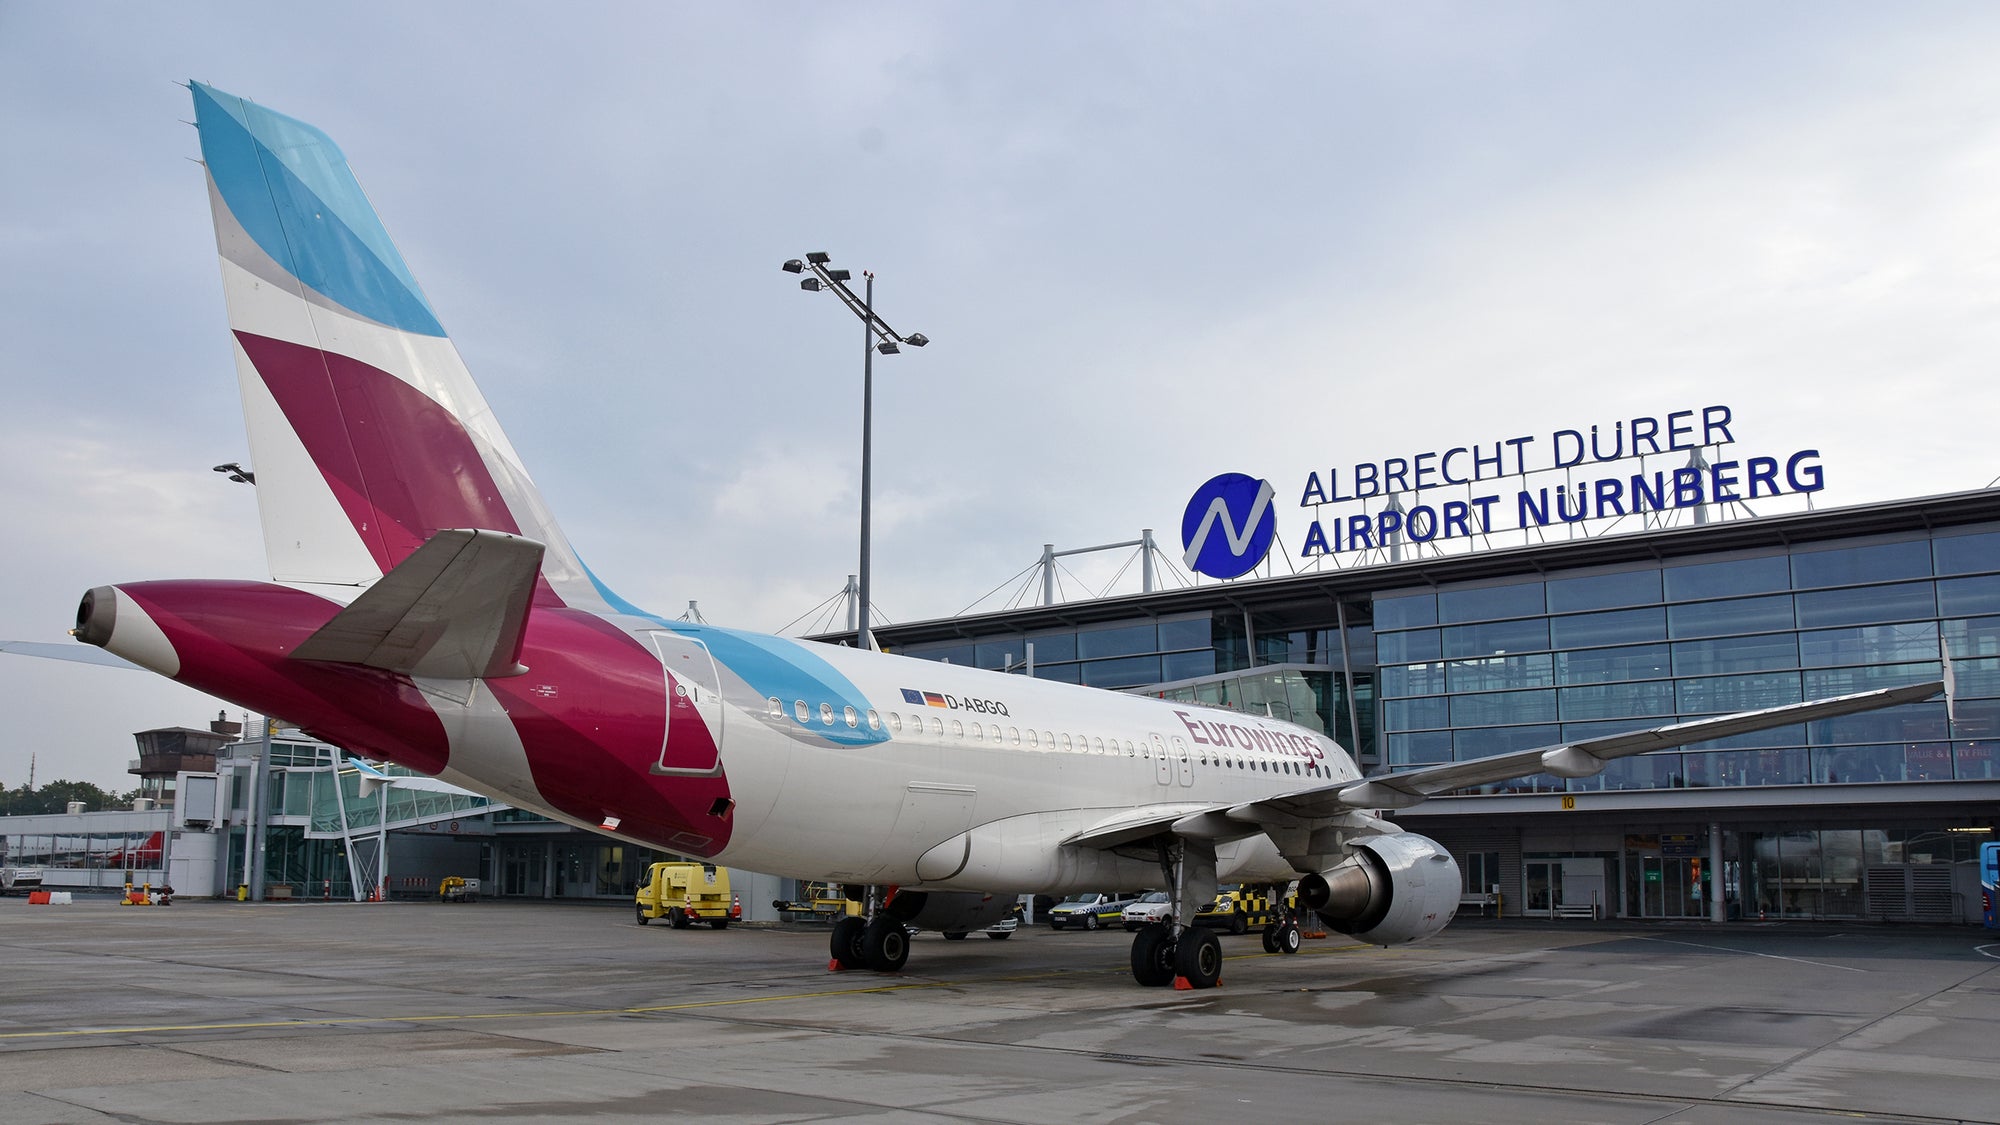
(1282,937)
(1153,957)
(954,935)
(846,942)
(1198,959)
(884,945)
(1090,921)
(643,919)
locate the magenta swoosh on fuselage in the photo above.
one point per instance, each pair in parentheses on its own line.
(234,640)
(592,717)
(402,467)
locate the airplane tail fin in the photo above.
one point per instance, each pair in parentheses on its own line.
(367,432)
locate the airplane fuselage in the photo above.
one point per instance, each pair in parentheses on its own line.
(791,757)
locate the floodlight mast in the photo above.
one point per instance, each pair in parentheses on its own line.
(876,335)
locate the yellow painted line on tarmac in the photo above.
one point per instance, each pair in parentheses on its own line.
(689,1005)
(351,1021)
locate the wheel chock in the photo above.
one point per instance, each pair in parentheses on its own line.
(1181,985)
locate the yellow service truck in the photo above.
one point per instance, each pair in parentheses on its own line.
(686,893)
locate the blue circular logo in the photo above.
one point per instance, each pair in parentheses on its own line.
(1229,525)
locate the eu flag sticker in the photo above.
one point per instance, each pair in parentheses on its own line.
(915,697)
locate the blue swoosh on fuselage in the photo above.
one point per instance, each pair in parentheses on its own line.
(775,667)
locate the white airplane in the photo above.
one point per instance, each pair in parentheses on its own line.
(427,610)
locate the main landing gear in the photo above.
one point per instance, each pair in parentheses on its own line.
(1194,960)
(877,942)
(1172,952)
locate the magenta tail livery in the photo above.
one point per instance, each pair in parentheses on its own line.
(427,609)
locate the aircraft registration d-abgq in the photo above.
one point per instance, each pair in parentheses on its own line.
(426,609)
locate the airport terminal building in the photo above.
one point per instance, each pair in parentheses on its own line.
(1451,656)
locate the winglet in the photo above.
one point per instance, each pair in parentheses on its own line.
(456,608)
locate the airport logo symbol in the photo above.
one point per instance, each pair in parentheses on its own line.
(1239,507)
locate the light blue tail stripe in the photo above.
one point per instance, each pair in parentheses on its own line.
(289,187)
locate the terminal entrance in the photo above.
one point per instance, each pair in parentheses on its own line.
(1562,886)
(1663,876)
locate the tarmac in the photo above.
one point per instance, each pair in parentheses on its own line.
(220,1012)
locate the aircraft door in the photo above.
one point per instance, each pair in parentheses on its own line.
(694,706)
(1163,763)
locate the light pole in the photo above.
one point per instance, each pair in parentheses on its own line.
(876,335)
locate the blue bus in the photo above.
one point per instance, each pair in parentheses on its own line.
(1989,883)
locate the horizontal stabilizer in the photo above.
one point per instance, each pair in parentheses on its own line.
(77,654)
(455,609)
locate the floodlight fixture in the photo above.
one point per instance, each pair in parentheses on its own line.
(817,257)
(793,265)
(916,339)
(888,347)
(810,285)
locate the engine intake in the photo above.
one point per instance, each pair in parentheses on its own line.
(1393,889)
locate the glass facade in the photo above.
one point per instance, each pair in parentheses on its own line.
(1124,655)
(1456,659)
(1496,666)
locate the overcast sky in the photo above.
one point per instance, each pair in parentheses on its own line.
(1150,242)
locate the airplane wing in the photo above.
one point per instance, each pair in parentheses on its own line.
(454,609)
(1581,758)
(79,654)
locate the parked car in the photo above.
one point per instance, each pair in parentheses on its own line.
(1088,911)
(1151,907)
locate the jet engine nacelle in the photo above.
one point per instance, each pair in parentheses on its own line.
(1393,889)
(950,911)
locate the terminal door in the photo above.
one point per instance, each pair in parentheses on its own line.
(1663,886)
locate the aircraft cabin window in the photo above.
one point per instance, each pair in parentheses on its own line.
(1049,737)
(957,729)
(799,709)
(874,720)
(1128,747)
(1097,744)
(937,726)
(1031,737)
(895,720)
(978,732)
(826,713)
(777,708)
(853,720)
(1066,740)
